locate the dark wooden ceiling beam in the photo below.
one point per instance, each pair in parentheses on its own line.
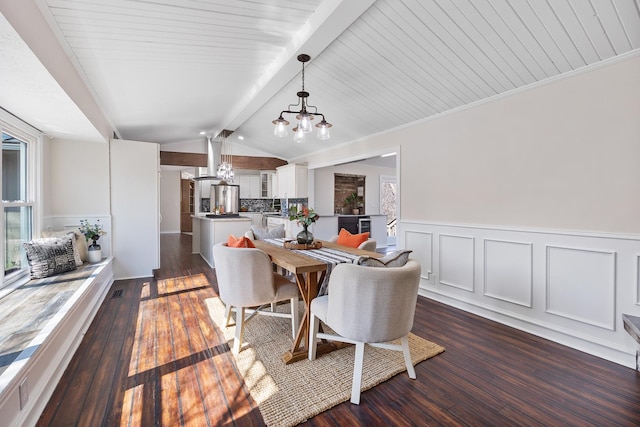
(173,158)
(259,163)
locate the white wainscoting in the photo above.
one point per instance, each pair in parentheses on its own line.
(567,286)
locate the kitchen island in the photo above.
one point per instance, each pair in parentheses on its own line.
(210,231)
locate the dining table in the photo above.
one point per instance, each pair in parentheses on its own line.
(309,272)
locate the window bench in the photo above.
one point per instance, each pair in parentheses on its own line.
(42,323)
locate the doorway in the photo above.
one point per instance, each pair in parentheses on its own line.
(186,205)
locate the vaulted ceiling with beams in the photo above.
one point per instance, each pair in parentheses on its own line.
(165,70)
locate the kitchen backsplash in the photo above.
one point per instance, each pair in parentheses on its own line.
(205,205)
(269,205)
(258,205)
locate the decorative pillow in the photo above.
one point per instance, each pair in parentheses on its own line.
(393,259)
(79,243)
(50,256)
(242,242)
(352,240)
(261,233)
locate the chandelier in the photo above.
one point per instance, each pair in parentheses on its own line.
(303,115)
(225,168)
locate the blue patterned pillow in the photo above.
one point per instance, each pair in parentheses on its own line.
(50,256)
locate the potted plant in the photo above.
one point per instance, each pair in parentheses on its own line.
(93,233)
(305,218)
(351,201)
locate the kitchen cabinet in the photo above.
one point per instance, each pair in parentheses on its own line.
(256,218)
(249,186)
(266,184)
(349,223)
(207,232)
(292,181)
(274,185)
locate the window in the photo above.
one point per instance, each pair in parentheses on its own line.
(19,144)
(388,205)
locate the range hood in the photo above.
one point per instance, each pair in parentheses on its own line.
(214,155)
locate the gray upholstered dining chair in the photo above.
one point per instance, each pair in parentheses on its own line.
(368,305)
(367,245)
(246,279)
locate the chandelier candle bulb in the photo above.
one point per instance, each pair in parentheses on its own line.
(298,137)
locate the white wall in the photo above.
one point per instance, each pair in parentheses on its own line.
(78,178)
(561,155)
(170,201)
(135,194)
(324,186)
(76,186)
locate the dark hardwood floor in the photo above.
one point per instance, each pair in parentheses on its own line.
(153,357)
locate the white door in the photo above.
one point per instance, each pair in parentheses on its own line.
(135,208)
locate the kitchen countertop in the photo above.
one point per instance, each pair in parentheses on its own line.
(220,218)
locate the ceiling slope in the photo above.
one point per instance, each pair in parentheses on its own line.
(164,70)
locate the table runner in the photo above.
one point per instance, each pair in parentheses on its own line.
(331,256)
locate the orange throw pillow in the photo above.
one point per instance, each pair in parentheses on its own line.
(352,240)
(243,242)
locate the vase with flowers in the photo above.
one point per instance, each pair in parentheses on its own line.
(304,217)
(92,232)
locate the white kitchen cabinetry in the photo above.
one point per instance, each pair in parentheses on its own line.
(256,217)
(275,191)
(207,232)
(249,186)
(266,184)
(292,181)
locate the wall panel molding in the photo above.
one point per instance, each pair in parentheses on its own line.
(421,244)
(581,285)
(457,259)
(508,271)
(568,287)
(637,280)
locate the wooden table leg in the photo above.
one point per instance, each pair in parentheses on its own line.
(308,285)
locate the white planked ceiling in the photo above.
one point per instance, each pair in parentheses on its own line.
(164,70)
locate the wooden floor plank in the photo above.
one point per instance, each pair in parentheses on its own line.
(154,357)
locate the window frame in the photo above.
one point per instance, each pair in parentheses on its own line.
(33,137)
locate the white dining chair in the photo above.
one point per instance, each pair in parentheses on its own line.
(246,279)
(368,305)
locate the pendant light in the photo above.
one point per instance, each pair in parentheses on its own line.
(303,115)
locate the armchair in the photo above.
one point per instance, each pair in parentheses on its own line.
(368,305)
(367,245)
(246,279)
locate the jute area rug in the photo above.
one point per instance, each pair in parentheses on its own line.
(290,394)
